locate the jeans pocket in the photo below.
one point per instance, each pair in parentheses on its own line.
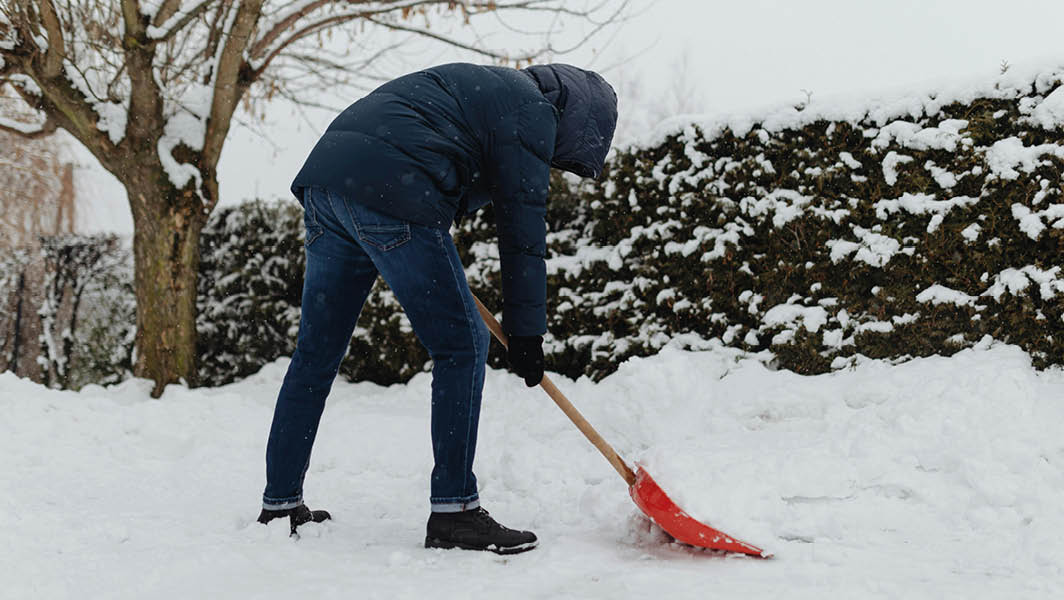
(310,219)
(313,233)
(379,230)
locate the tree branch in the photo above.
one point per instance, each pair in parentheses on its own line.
(166,10)
(275,32)
(132,18)
(306,31)
(26,131)
(456,43)
(284,24)
(614,18)
(215,29)
(53,57)
(68,108)
(145,102)
(230,82)
(164,32)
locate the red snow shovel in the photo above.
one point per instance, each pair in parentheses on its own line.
(646,493)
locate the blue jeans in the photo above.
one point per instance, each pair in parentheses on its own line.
(347,245)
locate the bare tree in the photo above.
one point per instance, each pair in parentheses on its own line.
(150,87)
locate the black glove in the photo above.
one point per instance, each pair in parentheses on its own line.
(525,356)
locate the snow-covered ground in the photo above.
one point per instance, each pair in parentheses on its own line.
(938,478)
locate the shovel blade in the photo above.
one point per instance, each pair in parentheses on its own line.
(657,505)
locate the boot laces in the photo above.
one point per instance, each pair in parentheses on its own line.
(482,518)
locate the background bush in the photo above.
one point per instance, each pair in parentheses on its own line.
(250,292)
(67,311)
(907,228)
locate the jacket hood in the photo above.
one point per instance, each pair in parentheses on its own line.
(587,108)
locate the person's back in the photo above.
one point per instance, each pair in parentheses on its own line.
(415,147)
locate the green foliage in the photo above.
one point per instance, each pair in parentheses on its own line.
(250,291)
(886,236)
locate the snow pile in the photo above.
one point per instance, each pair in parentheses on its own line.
(940,294)
(1010,154)
(1049,113)
(936,478)
(186,125)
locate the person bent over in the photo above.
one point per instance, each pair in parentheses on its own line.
(379,192)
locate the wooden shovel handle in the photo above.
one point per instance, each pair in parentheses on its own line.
(564,404)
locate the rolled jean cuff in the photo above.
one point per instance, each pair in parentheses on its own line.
(462,504)
(281,503)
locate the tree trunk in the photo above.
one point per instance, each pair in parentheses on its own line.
(166,264)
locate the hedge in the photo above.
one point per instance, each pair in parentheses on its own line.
(906,227)
(910,228)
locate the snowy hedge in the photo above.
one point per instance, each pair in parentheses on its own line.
(251,273)
(67,310)
(892,229)
(250,288)
(912,227)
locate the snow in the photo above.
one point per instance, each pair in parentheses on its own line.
(1006,155)
(25,82)
(849,160)
(1031,222)
(811,317)
(149,8)
(971,232)
(890,166)
(888,108)
(1050,112)
(112,121)
(921,204)
(874,249)
(910,135)
(940,294)
(186,124)
(786,206)
(942,177)
(1015,281)
(21,126)
(935,478)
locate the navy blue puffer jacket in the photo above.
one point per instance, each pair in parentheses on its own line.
(435,144)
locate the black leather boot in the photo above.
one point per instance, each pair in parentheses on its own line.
(476,530)
(296,516)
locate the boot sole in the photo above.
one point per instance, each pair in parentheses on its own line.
(446,545)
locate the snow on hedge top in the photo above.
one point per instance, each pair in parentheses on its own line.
(883,108)
(812,231)
(1049,113)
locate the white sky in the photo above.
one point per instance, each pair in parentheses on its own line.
(702,56)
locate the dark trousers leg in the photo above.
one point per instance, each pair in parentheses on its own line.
(422,267)
(339,276)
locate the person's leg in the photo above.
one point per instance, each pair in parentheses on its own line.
(422,267)
(339,276)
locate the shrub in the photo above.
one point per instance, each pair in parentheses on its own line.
(250,280)
(908,228)
(69,310)
(905,230)
(249,295)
